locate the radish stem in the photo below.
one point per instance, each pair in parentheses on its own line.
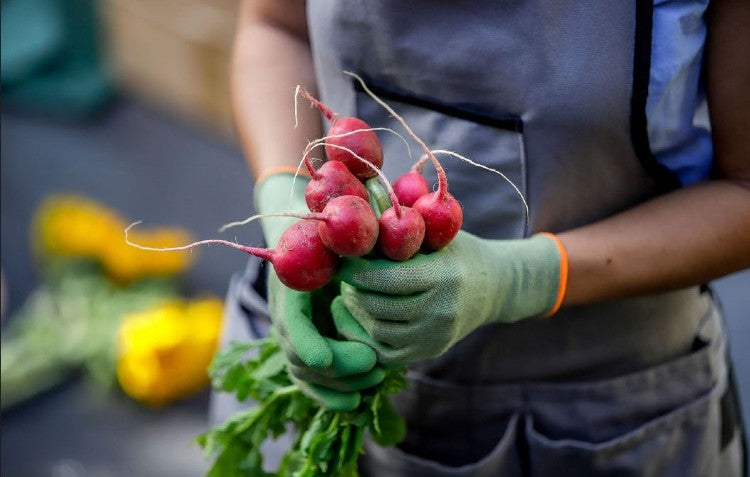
(309,215)
(442,179)
(321,140)
(419,165)
(264,253)
(481,166)
(301,91)
(383,178)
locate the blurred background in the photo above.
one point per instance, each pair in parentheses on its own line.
(115,111)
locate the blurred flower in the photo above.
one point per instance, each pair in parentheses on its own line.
(76,227)
(165,351)
(125,263)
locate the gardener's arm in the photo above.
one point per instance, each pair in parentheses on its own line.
(417,309)
(697,233)
(271,56)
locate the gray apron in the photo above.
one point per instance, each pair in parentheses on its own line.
(551,94)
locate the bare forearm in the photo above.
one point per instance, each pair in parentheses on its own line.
(270,59)
(684,238)
(694,234)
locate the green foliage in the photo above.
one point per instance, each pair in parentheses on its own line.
(328,443)
(70,322)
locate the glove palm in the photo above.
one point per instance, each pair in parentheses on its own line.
(330,371)
(415,310)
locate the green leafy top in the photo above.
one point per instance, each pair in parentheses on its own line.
(328,443)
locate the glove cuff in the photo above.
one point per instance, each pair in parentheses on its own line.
(277,191)
(532,277)
(563,283)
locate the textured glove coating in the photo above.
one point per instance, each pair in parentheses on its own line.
(417,309)
(329,371)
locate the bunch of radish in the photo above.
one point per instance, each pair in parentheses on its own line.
(341,222)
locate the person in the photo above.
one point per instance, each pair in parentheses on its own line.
(582,338)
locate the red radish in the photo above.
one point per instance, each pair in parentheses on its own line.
(301,259)
(401,237)
(411,186)
(364,143)
(441,211)
(442,216)
(333,179)
(348,225)
(401,229)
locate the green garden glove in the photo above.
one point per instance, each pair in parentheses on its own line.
(417,309)
(331,372)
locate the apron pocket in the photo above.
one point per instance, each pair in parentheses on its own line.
(681,443)
(245,318)
(494,140)
(395,462)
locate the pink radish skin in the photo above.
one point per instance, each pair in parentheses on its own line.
(401,237)
(442,216)
(403,230)
(441,211)
(364,143)
(410,187)
(348,226)
(301,260)
(333,179)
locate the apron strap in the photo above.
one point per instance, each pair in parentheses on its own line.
(731,418)
(250,294)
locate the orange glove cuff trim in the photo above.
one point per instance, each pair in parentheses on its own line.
(280,170)
(563,274)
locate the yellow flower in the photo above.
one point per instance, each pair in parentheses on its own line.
(125,263)
(165,352)
(74,226)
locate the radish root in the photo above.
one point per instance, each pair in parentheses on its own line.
(442,179)
(481,166)
(309,215)
(383,179)
(301,91)
(322,140)
(419,165)
(258,252)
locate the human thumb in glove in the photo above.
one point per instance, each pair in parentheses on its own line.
(330,371)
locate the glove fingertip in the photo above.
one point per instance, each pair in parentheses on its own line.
(379,375)
(365,380)
(337,306)
(351,357)
(329,398)
(314,355)
(346,325)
